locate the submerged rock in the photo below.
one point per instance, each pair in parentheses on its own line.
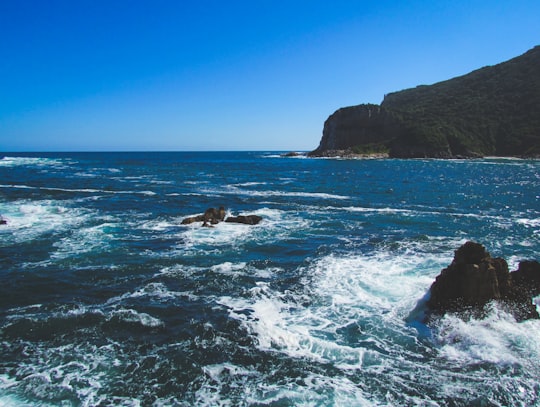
(474,279)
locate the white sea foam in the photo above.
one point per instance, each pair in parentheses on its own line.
(200,238)
(249,184)
(228,268)
(276,225)
(160,224)
(368,298)
(221,233)
(344,291)
(299,194)
(215,371)
(72,372)
(177,270)
(30,161)
(532,223)
(85,240)
(12,401)
(377,210)
(132,316)
(234,190)
(497,339)
(83,190)
(312,389)
(155,290)
(27,220)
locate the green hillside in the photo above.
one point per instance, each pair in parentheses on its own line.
(492,111)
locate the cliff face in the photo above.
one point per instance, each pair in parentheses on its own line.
(364,127)
(491,111)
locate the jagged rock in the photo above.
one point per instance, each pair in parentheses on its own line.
(525,285)
(211,215)
(527,277)
(474,279)
(245,219)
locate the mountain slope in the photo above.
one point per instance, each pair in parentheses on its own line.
(494,110)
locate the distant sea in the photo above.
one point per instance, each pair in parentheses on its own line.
(106,299)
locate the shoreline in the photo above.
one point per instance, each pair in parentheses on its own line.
(348,154)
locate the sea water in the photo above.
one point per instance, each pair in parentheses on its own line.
(106,299)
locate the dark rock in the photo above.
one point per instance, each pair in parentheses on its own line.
(527,277)
(470,253)
(474,279)
(193,219)
(213,216)
(3,221)
(245,219)
(525,285)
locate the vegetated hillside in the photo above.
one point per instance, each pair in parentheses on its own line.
(493,111)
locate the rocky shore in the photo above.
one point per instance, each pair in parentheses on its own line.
(349,154)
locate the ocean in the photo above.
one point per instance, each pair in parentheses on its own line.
(106,299)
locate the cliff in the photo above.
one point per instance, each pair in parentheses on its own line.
(493,111)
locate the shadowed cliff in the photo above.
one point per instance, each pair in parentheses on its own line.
(493,111)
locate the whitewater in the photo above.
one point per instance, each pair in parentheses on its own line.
(106,299)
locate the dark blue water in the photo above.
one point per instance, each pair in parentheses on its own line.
(107,300)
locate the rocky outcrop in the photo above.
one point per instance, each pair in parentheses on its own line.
(245,219)
(352,153)
(213,216)
(494,110)
(474,279)
(193,219)
(293,154)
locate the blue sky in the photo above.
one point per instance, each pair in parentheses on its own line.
(93,75)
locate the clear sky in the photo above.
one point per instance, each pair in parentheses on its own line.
(93,75)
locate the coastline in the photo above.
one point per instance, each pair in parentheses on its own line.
(349,154)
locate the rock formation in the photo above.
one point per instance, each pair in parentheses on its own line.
(494,111)
(474,279)
(292,154)
(213,216)
(247,219)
